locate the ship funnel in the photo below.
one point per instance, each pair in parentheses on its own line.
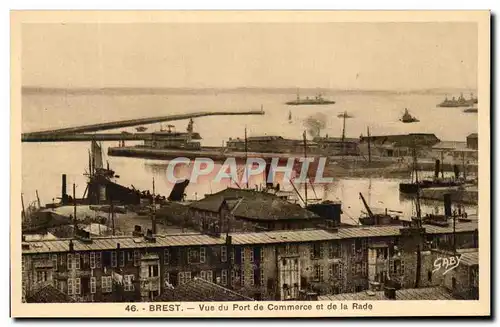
(436,169)
(64,193)
(447,205)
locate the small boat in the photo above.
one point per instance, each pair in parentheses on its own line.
(290,117)
(141,129)
(471,110)
(407,118)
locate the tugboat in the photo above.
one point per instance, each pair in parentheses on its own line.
(317,100)
(141,129)
(375,219)
(460,102)
(407,118)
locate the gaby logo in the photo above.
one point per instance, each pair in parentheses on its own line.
(448,264)
(296,169)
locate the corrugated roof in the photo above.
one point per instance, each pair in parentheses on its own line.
(470,258)
(371,231)
(309,235)
(283,237)
(459,227)
(430,293)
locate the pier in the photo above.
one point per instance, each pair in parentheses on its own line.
(56,134)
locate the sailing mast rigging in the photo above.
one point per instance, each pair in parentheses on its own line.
(307,173)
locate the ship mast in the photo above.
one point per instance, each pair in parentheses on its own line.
(307,172)
(369,145)
(343,134)
(418,223)
(246,157)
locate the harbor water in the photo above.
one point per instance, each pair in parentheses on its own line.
(43,163)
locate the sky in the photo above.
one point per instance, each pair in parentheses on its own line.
(376,56)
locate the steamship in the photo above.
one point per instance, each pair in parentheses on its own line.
(414,186)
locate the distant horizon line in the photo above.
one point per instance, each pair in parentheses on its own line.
(152,89)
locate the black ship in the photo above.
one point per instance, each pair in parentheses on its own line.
(317,100)
(376,219)
(460,102)
(414,186)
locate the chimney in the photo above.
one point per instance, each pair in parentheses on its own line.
(118,246)
(390,293)
(71,246)
(447,205)
(149,236)
(63,189)
(436,169)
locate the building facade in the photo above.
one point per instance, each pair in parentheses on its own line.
(264,266)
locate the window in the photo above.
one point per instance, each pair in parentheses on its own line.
(70,262)
(137,258)
(193,256)
(92,284)
(106,284)
(203,255)
(122,259)
(234,277)
(98,257)
(54,261)
(207,275)
(41,276)
(333,251)
(334,271)
(184,277)
(429,276)
(62,259)
(242,255)
(316,251)
(166,256)
(130,256)
(71,286)
(252,279)
(77,261)
(154,271)
(62,286)
(262,255)
(92,260)
(261,281)
(223,254)
(243,278)
(224,277)
(453,282)
(232,255)
(318,273)
(251,255)
(78,286)
(114,259)
(129,283)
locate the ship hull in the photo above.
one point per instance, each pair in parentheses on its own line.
(413,188)
(295,103)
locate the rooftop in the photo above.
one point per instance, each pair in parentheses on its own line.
(470,258)
(422,294)
(200,290)
(196,239)
(453,145)
(254,205)
(48,294)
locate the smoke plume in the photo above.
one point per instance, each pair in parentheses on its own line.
(315,123)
